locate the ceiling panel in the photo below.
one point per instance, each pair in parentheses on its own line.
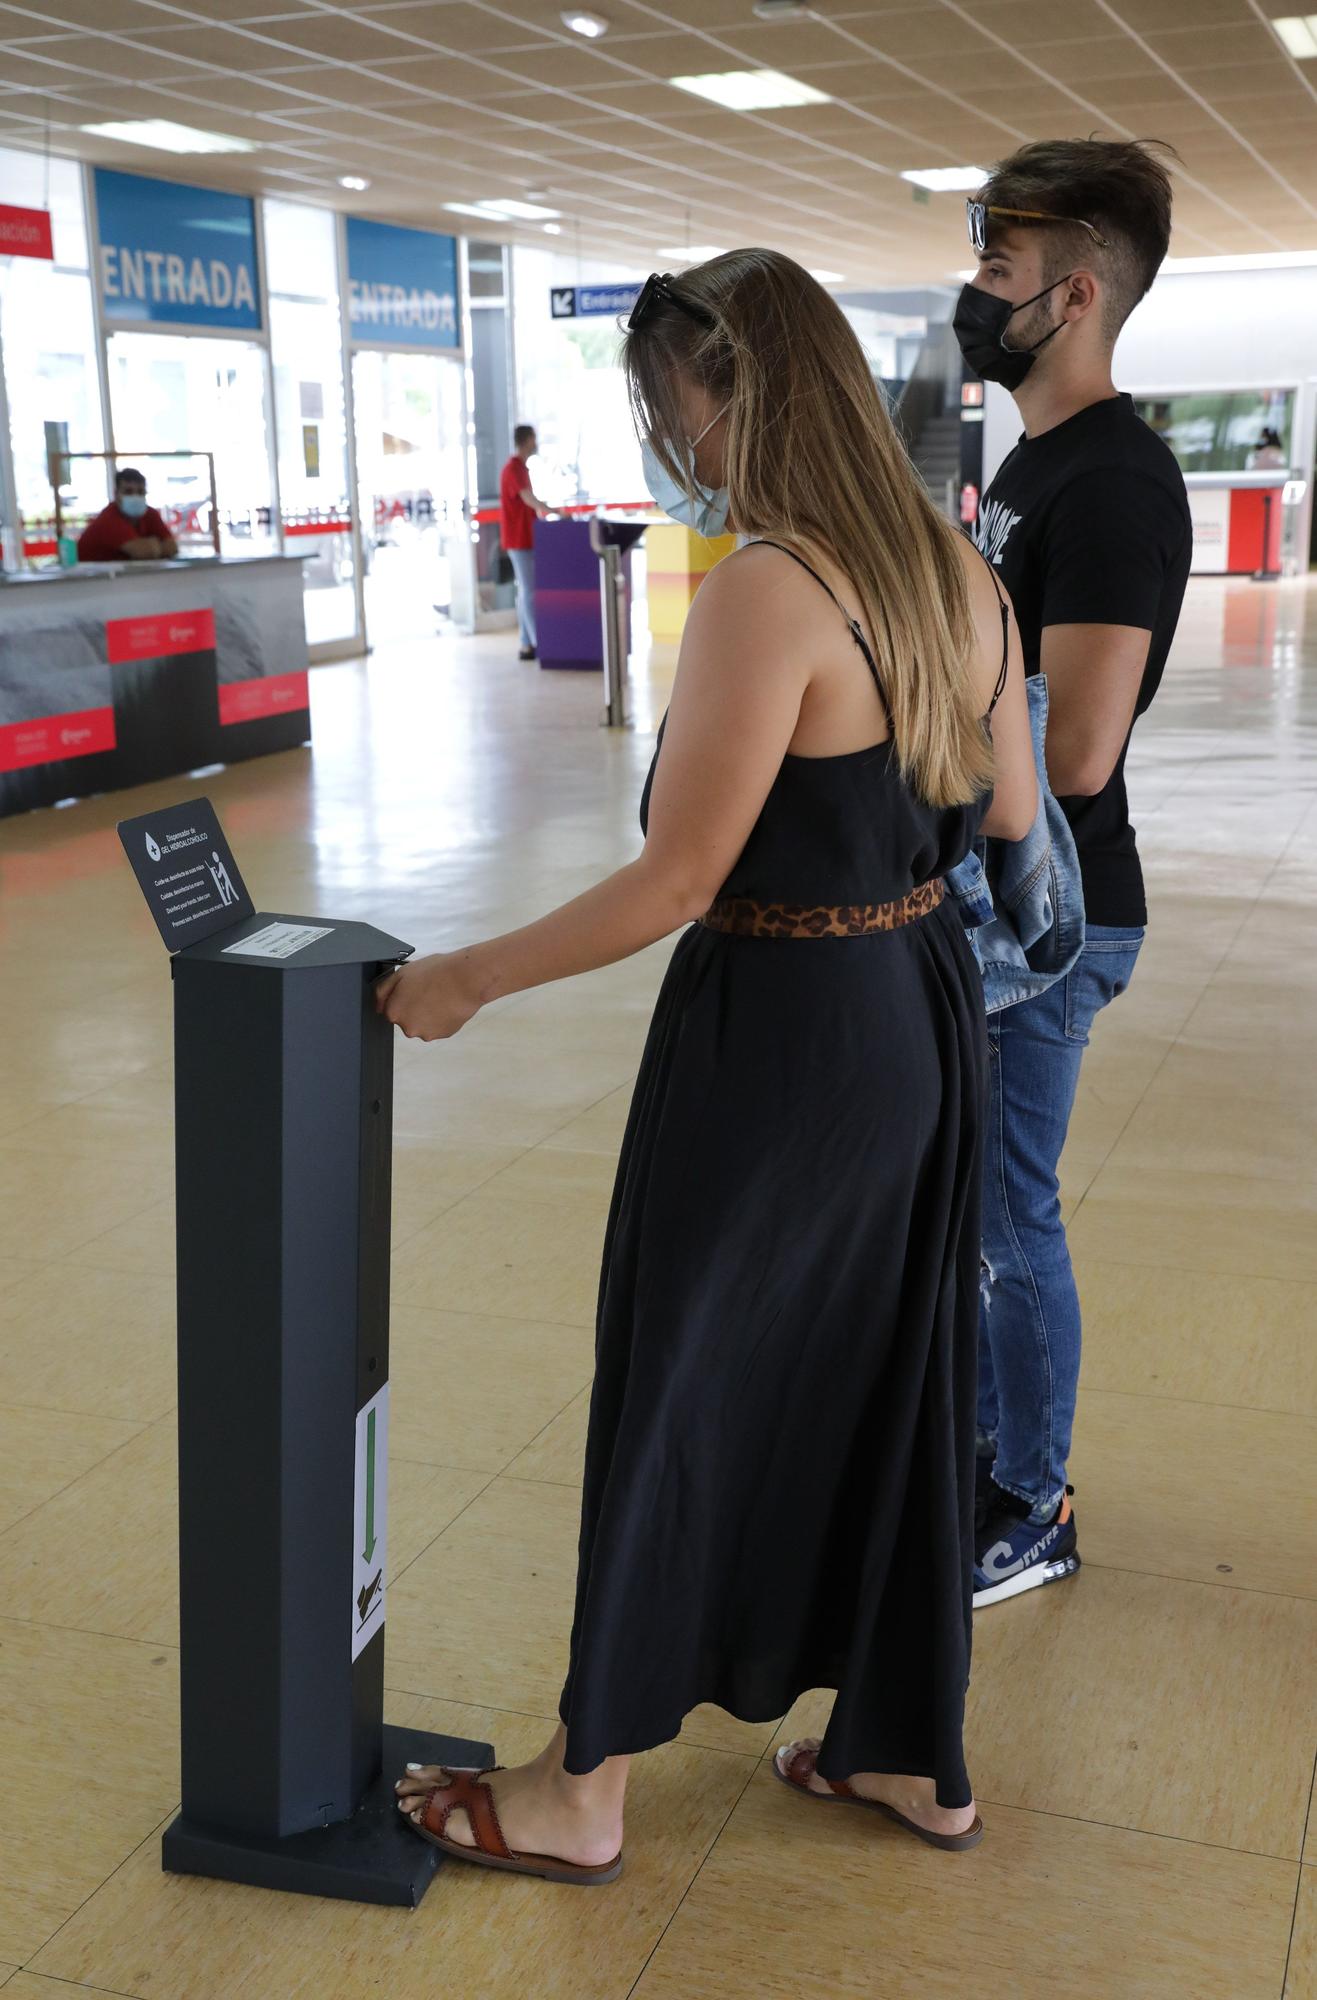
(438,100)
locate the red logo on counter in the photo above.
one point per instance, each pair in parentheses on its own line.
(25,232)
(245,701)
(48,739)
(155,638)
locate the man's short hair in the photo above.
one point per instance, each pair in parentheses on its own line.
(125,473)
(523,434)
(1121,186)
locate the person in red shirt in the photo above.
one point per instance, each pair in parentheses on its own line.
(127,528)
(518,508)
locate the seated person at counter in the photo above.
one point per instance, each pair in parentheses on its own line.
(127,528)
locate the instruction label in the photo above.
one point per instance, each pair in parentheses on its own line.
(370,1520)
(279,940)
(186,870)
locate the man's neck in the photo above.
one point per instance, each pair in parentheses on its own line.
(1045,401)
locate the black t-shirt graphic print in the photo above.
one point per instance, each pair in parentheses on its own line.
(1088,524)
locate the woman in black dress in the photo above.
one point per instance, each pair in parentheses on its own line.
(780,1466)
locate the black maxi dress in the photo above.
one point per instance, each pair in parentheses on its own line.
(780,1462)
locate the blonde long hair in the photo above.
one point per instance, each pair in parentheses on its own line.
(812,458)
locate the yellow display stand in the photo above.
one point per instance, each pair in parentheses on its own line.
(677,562)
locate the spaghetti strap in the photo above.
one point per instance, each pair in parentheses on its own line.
(1004,606)
(856,629)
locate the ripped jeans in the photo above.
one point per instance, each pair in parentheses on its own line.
(1029,1328)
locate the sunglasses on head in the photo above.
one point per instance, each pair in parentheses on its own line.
(658,290)
(977,213)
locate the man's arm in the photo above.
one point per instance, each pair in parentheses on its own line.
(1094,673)
(1111,539)
(529,499)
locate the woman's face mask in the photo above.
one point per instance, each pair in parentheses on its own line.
(702,508)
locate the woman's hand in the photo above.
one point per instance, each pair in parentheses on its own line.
(431,998)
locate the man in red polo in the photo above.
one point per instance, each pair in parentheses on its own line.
(127,529)
(518,508)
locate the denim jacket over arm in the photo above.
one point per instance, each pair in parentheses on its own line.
(1020,900)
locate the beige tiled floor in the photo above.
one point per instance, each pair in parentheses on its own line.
(1142,1740)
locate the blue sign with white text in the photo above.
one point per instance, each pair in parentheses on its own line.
(591,301)
(174,255)
(402,285)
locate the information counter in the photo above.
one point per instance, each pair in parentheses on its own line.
(1237,521)
(113,674)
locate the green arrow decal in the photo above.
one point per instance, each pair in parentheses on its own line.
(369,1549)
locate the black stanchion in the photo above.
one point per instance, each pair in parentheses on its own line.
(283,1106)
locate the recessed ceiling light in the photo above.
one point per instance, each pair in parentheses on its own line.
(692,253)
(751,89)
(1298,32)
(828,277)
(592,26)
(522,211)
(947,180)
(553,229)
(169,137)
(354,183)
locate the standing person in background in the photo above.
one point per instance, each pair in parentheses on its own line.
(1087,523)
(127,528)
(518,509)
(1268,454)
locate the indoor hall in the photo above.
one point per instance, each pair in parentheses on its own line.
(312,417)
(1142,1740)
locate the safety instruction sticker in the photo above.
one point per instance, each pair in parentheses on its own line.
(370,1518)
(279,940)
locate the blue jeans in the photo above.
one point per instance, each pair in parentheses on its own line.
(1029,1320)
(523,568)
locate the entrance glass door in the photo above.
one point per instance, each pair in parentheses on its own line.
(411,474)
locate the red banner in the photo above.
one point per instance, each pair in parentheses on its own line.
(279,694)
(25,232)
(317,528)
(155,638)
(49,738)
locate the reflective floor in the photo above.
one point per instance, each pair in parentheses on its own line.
(1142,1739)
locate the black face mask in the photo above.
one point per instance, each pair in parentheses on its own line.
(979,324)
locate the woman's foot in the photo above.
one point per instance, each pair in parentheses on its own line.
(541,1810)
(914,1798)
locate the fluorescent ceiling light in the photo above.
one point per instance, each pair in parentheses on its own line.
(1298,32)
(947,180)
(693,253)
(521,211)
(169,137)
(751,89)
(592,26)
(354,183)
(553,229)
(469,208)
(828,277)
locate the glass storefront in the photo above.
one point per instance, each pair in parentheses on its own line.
(193,396)
(1221,430)
(570,386)
(411,480)
(306,355)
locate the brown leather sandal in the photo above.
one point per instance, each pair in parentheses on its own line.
(802,1768)
(467,1792)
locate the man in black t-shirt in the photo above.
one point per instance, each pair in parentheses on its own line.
(1087,524)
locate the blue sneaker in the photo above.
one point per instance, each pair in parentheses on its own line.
(1011,1554)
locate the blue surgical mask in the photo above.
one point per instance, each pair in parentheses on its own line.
(702,507)
(133,505)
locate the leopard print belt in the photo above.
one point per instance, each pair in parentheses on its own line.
(745,918)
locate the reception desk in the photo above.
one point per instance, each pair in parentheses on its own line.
(113,674)
(1237,521)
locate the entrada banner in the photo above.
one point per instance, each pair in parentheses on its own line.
(402,285)
(175,255)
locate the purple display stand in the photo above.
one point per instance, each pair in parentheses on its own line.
(567,618)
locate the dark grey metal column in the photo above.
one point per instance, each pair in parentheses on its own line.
(284,1082)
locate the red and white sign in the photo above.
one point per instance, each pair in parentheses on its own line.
(156,637)
(25,232)
(49,738)
(246,701)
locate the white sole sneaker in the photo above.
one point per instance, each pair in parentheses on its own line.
(1027,1579)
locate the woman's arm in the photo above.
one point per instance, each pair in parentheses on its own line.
(1015,776)
(741,676)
